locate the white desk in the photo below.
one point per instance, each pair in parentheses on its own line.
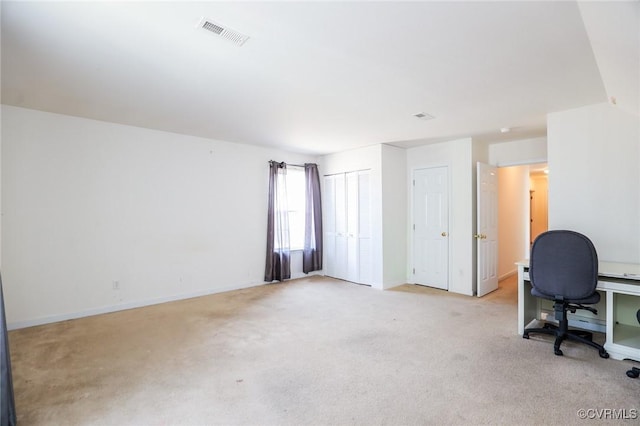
(620,283)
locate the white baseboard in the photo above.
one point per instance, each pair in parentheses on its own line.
(137,304)
(296,275)
(508,274)
(124,306)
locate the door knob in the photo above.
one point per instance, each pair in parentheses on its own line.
(444,234)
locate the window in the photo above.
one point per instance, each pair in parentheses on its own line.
(296,206)
(289,225)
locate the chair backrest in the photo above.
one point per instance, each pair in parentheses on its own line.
(564,263)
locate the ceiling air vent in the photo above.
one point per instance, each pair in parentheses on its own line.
(222,31)
(424,116)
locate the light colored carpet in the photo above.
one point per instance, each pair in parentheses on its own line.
(313,351)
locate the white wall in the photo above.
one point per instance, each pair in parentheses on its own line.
(457,155)
(513,215)
(613,31)
(89,203)
(394,215)
(594,178)
(525,151)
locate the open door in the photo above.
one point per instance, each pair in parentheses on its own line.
(487,229)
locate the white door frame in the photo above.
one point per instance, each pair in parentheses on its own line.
(410,240)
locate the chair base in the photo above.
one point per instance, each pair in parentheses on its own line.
(634,373)
(562,333)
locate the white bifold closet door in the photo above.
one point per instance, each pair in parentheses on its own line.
(329,225)
(347,225)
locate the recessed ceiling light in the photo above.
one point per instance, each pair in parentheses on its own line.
(423,116)
(505,130)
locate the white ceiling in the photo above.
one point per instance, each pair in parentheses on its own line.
(313,77)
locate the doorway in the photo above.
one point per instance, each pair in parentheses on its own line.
(538,202)
(522,212)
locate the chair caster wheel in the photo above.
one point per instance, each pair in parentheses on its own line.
(525,336)
(558,352)
(604,354)
(634,373)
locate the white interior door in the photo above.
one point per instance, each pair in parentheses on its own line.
(329,225)
(347,226)
(341,228)
(352,227)
(487,229)
(431,227)
(364,229)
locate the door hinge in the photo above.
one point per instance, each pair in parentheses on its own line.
(414,182)
(414,271)
(414,226)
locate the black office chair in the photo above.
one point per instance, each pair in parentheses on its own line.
(634,373)
(564,268)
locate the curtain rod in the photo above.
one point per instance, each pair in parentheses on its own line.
(292,165)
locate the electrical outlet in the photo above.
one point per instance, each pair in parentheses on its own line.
(116,285)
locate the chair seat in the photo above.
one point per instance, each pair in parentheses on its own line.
(591,300)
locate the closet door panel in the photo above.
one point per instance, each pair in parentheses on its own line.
(364,254)
(329,226)
(341,262)
(347,226)
(353,270)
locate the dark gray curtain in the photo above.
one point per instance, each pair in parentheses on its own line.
(312,254)
(278,248)
(8,407)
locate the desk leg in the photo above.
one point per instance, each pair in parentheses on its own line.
(527,304)
(609,318)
